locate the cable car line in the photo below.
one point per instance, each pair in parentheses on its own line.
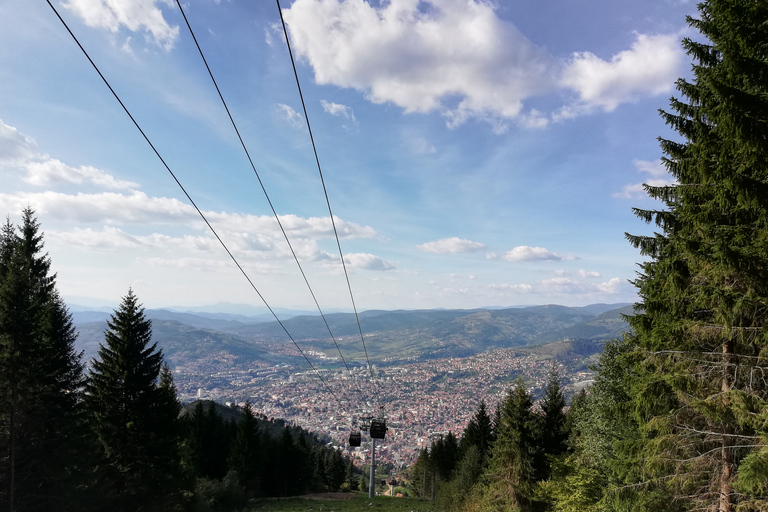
(325,190)
(157,153)
(263,188)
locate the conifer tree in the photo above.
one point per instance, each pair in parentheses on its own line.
(511,473)
(130,410)
(336,470)
(702,319)
(245,453)
(41,435)
(552,432)
(478,432)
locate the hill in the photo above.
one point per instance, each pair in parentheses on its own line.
(390,336)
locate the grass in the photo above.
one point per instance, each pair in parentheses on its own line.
(348,503)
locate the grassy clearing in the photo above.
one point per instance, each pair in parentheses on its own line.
(344,503)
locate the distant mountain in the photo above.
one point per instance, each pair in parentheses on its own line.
(184,343)
(390,336)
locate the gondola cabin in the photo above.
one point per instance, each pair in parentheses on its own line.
(378,429)
(355,439)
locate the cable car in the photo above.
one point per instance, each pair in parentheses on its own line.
(378,428)
(355,438)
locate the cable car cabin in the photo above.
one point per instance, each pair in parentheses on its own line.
(378,429)
(355,439)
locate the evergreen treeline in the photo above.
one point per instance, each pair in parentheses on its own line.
(500,463)
(112,437)
(677,418)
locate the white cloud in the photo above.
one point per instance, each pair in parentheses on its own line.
(454,56)
(650,67)
(106,207)
(588,273)
(526,253)
(290,115)
(19,153)
(654,169)
(336,109)
(256,232)
(15,147)
(458,57)
(209,265)
(452,245)
(512,287)
(568,286)
(134,15)
(367,262)
(52,171)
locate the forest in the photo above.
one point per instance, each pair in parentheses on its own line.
(676,419)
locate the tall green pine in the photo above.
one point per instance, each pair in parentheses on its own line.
(41,435)
(132,412)
(702,319)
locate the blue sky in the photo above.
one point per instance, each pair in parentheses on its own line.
(476,153)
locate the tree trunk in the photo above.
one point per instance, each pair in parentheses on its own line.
(726,454)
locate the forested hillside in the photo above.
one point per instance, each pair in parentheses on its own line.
(392,335)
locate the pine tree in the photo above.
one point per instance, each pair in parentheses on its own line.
(511,472)
(131,412)
(552,433)
(245,453)
(478,432)
(702,319)
(336,470)
(41,435)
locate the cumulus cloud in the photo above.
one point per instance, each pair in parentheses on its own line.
(110,208)
(526,253)
(459,58)
(52,171)
(290,115)
(650,67)
(452,245)
(655,170)
(134,15)
(588,273)
(456,57)
(336,109)
(367,262)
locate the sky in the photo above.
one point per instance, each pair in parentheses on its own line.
(475,153)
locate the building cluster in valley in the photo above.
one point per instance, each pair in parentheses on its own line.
(420,400)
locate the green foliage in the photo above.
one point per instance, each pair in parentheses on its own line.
(700,328)
(42,438)
(133,413)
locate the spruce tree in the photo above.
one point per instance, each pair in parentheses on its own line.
(41,436)
(701,322)
(478,432)
(552,433)
(511,473)
(245,453)
(132,412)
